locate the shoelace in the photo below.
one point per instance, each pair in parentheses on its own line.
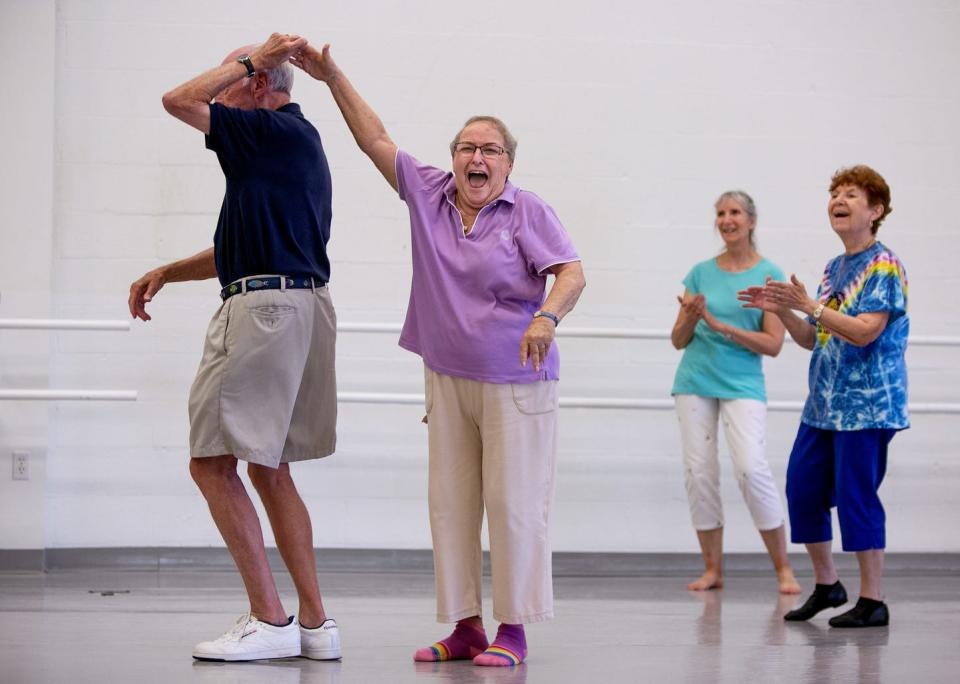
(236,632)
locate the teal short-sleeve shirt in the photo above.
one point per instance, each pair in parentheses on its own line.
(713,366)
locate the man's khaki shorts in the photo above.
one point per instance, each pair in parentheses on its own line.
(266,390)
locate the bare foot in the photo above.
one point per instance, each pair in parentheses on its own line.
(788,583)
(708,580)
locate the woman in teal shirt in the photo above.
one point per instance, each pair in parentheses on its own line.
(720,377)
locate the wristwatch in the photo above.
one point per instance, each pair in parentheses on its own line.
(244,59)
(818,312)
(546,314)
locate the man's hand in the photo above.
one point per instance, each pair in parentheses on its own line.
(277,49)
(200,266)
(317,63)
(143,290)
(536,342)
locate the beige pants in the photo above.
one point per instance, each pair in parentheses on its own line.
(492,446)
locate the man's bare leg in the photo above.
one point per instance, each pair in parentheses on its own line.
(236,518)
(294,535)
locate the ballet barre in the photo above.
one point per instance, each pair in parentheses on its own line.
(60,324)
(617,403)
(64,394)
(631,334)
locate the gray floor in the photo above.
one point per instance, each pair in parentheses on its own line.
(82,626)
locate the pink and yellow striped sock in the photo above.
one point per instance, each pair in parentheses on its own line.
(508,649)
(467,640)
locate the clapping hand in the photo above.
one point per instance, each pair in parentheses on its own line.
(693,306)
(777,297)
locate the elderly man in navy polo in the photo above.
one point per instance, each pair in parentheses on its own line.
(265,392)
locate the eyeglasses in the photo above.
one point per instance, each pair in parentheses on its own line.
(489,151)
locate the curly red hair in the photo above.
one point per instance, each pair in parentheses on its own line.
(871,182)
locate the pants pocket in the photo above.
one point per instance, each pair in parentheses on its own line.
(536,398)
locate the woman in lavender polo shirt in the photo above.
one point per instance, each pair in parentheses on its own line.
(482,249)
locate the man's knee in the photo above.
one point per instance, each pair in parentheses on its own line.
(213,470)
(266,479)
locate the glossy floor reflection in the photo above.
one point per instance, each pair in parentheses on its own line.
(139,626)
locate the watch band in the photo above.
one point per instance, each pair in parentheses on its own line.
(818,312)
(245,60)
(546,314)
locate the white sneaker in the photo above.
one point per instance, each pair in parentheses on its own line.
(321,643)
(250,639)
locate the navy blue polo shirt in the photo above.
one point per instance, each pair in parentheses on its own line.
(275,216)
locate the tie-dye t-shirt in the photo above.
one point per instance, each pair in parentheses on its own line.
(861,388)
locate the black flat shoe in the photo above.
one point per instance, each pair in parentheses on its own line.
(867,613)
(824,596)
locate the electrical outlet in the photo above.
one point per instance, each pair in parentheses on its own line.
(21,465)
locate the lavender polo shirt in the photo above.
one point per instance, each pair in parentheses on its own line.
(473,296)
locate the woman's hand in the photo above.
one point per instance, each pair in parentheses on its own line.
(792,295)
(692,307)
(317,63)
(536,342)
(712,322)
(761,297)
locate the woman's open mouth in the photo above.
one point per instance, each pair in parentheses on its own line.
(476,179)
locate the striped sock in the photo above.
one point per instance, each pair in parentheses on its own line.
(509,648)
(468,640)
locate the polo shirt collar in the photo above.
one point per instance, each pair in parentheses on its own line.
(291,108)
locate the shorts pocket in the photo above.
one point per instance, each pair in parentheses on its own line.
(271,318)
(535,398)
(271,310)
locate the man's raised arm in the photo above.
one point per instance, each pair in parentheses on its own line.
(190,101)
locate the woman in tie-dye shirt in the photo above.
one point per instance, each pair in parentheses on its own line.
(857,329)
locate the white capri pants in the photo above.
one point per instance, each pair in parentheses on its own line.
(745,428)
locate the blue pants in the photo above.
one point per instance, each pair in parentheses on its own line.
(844,469)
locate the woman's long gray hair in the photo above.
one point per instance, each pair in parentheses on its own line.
(746,203)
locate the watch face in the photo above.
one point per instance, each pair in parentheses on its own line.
(244,59)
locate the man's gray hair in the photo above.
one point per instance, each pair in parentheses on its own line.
(509,142)
(280,79)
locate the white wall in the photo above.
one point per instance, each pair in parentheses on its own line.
(27,48)
(632,117)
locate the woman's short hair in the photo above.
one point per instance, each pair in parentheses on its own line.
(509,142)
(871,182)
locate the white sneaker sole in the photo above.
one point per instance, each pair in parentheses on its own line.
(321,653)
(255,655)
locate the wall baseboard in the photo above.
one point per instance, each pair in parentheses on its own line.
(21,559)
(420,561)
